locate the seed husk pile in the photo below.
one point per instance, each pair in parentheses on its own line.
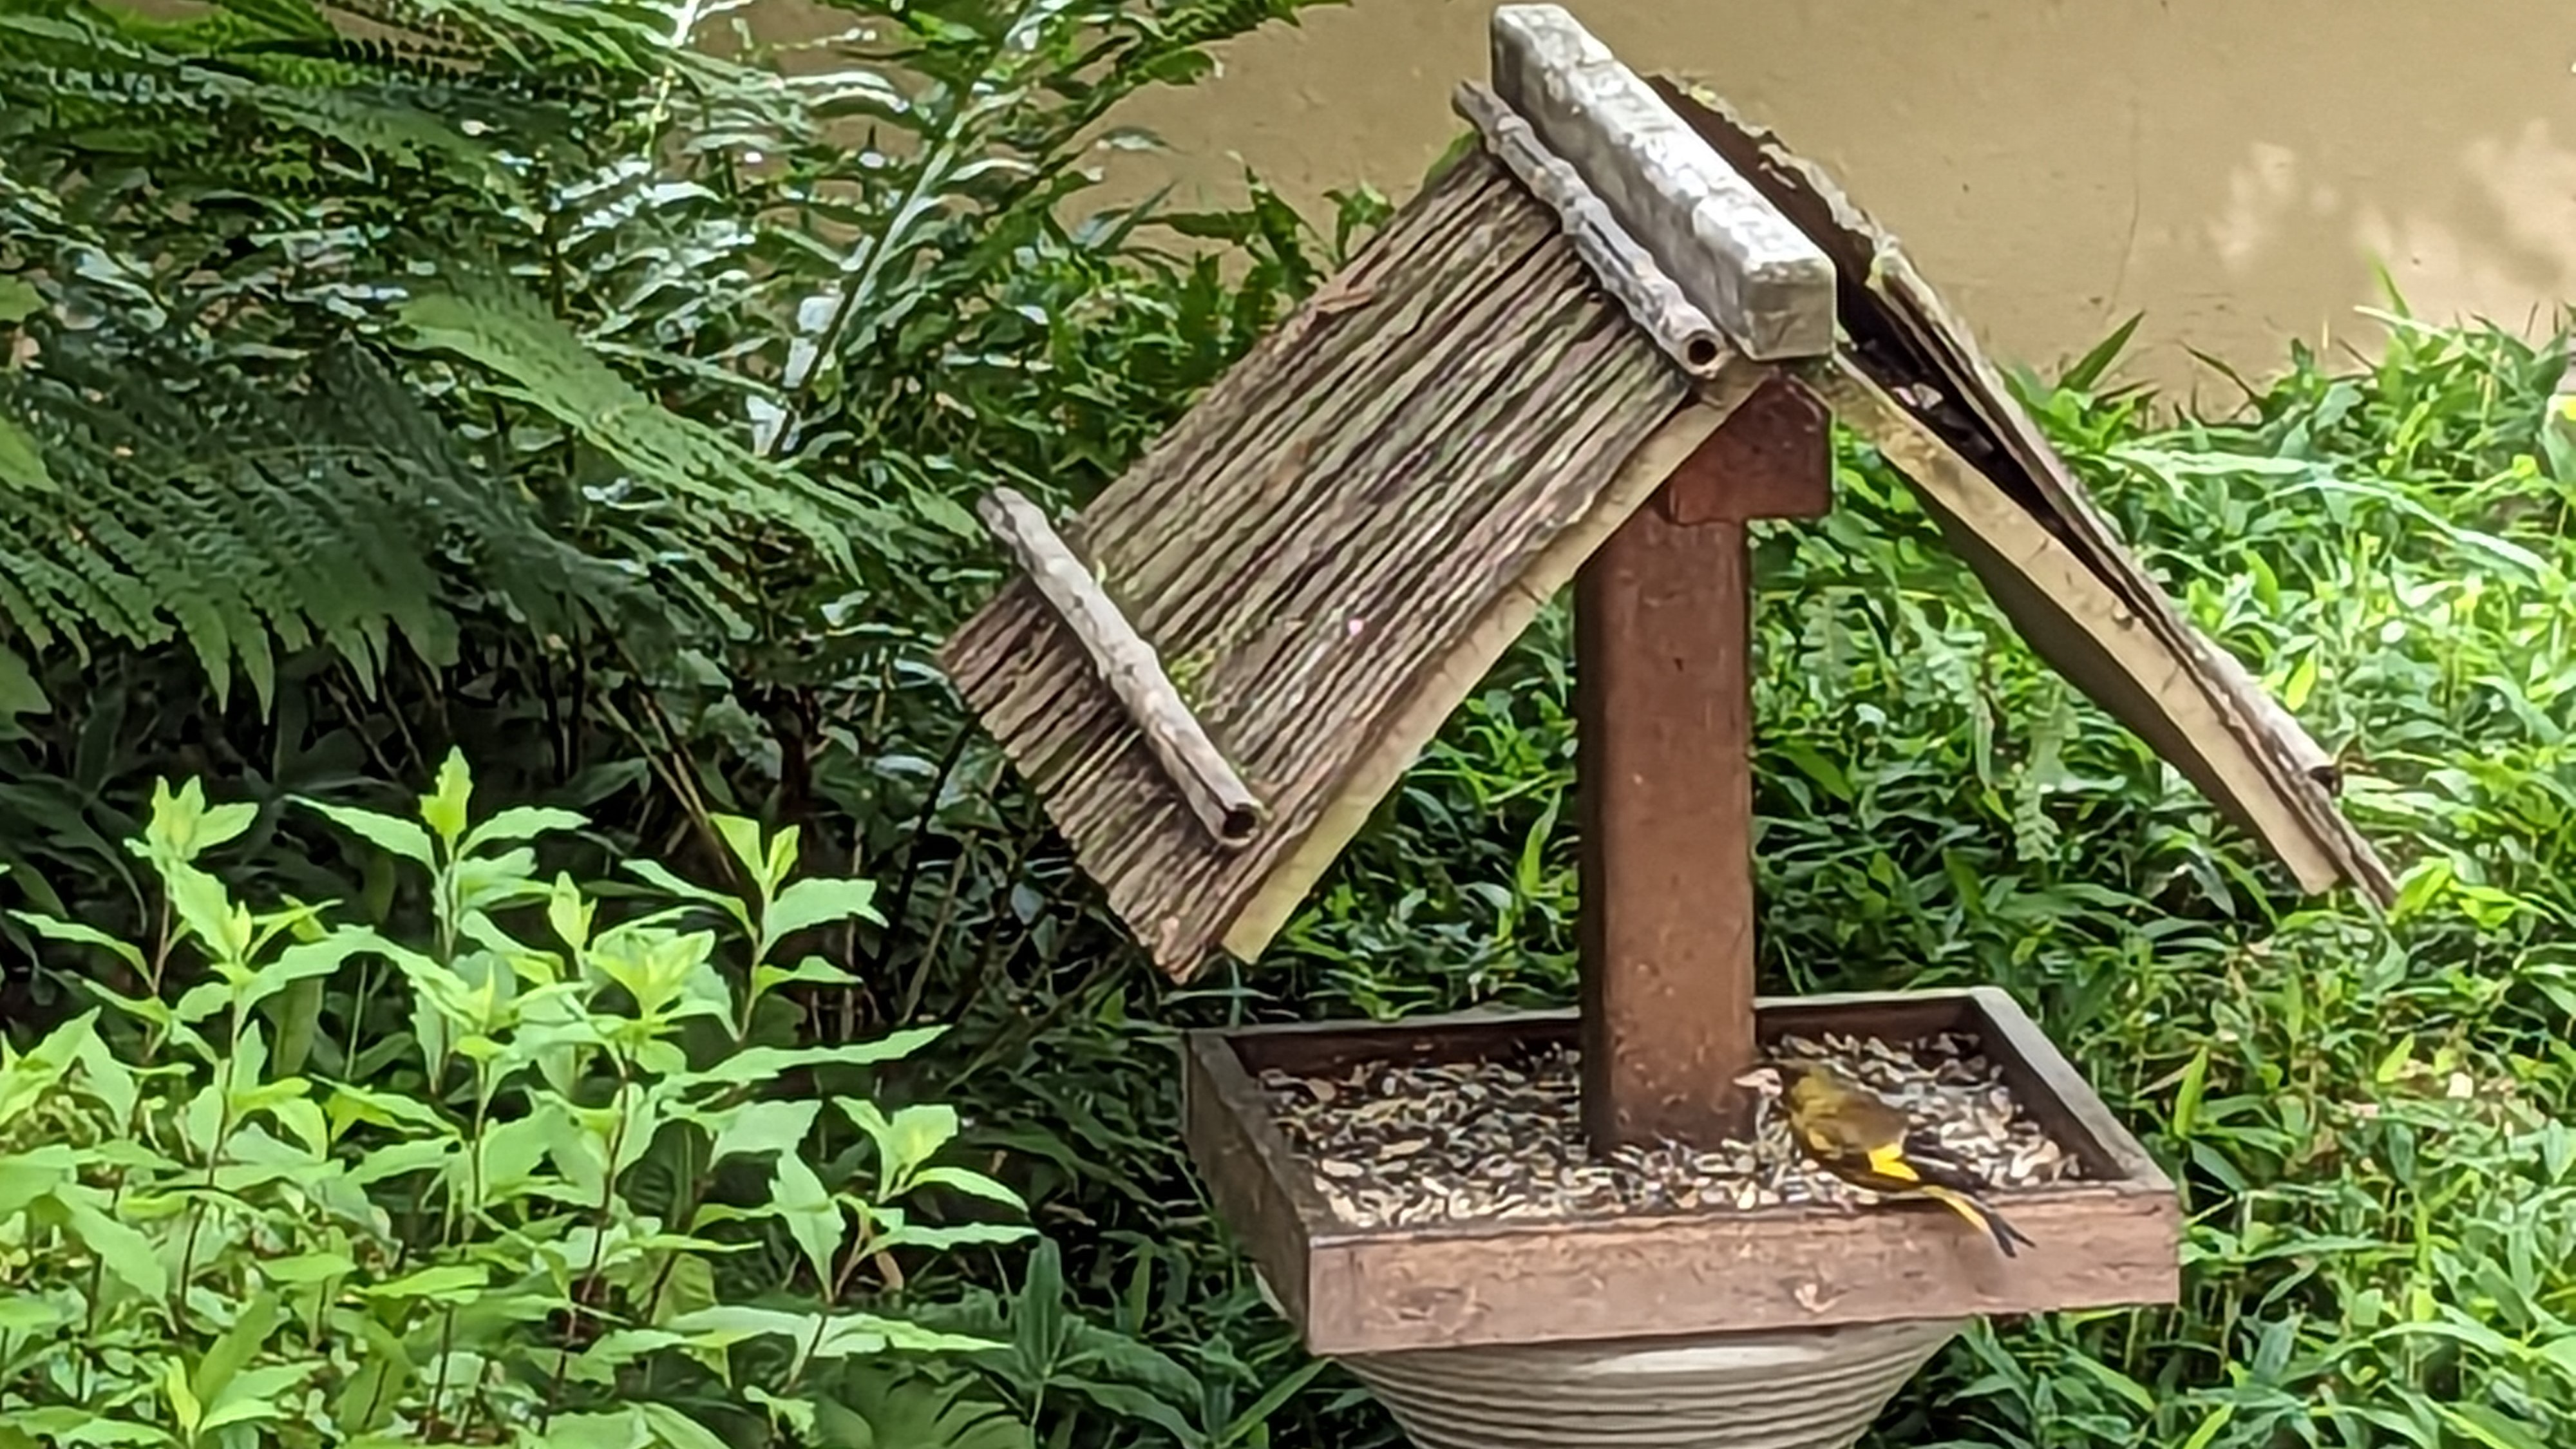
(1402,1145)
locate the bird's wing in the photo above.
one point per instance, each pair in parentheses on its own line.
(1889,1160)
(1846,1143)
(1910,1156)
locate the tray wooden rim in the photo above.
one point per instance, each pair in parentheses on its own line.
(2109,1240)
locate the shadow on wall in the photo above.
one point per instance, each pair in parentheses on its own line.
(2237,171)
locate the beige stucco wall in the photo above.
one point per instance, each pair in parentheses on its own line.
(2233,167)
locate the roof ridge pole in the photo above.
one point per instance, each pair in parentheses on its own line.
(1768,285)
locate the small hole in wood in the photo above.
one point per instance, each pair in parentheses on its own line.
(1700,351)
(1240,824)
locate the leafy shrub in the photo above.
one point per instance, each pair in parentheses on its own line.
(528,1219)
(535,380)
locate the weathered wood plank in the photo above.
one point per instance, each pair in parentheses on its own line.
(1764,282)
(1436,692)
(1906,340)
(1663,647)
(2075,621)
(1313,541)
(1663,655)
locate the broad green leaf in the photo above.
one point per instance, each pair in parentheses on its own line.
(182,826)
(385,832)
(383,1109)
(760,1127)
(813,1219)
(127,1254)
(2209,1427)
(184,1405)
(799,1416)
(523,822)
(677,1431)
(813,902)
(22,460)
(443,1283)
(444,809)
(199,900)
(75,933)
(742,838)
(304,1268)
(35,1173)
(2195,1080)
(67,1428)
(734,1322)
(957,1235)
(21,691)
(569,913)
(974,1184)
(614,1350)
(851,1334)
(26,1313)
(29,1078)
(257,1394)
(812,971)
(2117,1382)
(617,1429)
(762,1064)
(831,1335)
(232,1351)
(660,877)
(2492,1427)
(305,961)
(1255,1418)
(112,1082)
(904,1141)
(781,860)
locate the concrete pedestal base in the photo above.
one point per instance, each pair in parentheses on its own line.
(1815,1389)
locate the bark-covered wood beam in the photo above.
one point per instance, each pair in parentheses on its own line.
(1764,282)
(1625,270)
(1198,770)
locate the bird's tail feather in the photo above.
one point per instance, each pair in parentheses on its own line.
(1985,1219)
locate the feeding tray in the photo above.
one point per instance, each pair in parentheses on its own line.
(1647,1248)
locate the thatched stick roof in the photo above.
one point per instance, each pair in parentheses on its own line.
(1333,546)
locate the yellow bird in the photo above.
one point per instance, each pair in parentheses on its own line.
(1866,1141)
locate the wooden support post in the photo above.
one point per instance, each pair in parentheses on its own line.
(1663,656)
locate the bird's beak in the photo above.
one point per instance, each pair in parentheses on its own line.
(1757,1079)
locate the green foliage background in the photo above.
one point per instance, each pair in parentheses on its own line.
(517,380)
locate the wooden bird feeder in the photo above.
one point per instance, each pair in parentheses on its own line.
(1591,352)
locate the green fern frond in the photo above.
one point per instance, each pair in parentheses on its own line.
(506,333)
(190,506)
